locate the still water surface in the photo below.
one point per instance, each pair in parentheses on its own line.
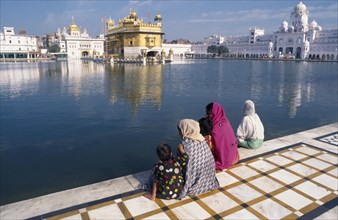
(67,124)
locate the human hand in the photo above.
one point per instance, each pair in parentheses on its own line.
(181,148)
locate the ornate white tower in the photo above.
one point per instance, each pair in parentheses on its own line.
(299,18)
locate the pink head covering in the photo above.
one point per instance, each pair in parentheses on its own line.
(224,139)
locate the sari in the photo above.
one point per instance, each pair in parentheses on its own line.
(224,140)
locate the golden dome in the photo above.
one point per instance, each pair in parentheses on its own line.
(73,26)
(110,22)
(133,15)
(158,17)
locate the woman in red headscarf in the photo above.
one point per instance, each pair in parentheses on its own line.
(225,145)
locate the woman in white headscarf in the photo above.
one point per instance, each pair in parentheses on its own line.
(200,174)
(250,132)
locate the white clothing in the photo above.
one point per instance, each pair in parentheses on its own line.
(251,126)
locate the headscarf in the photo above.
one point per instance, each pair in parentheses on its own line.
(251,126)
(249,108)
(190,129)
(224,139)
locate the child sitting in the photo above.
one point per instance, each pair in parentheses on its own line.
(168,177)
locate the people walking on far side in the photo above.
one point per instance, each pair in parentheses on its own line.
(250,132)
(224,141)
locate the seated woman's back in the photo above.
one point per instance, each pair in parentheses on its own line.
(200,172)
(224,141)
(250,132)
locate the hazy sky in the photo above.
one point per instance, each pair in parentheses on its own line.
(191,20)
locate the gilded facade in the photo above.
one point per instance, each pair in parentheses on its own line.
(134,38)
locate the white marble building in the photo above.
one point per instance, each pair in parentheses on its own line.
(17,46)
(295,39)
(178,50)
(77,44)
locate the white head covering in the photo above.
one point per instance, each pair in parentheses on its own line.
(249,108)
(190,129)
(251,126)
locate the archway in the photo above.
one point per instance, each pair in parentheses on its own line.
(298,53)
(289,50)
(84,53)
(152,53)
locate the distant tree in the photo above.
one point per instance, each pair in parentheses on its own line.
(22,32)
(222,50)
(54,49)
(212,49)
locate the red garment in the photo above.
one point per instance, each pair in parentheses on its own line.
(224,140)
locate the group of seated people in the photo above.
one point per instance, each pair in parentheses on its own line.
(208,145)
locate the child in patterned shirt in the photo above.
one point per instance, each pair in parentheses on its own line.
(168,177)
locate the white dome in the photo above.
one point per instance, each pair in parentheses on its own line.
(284,24)
(313,24)
(300,7)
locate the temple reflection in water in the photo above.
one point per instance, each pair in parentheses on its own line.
(133,83)
(96,118)
(138,84)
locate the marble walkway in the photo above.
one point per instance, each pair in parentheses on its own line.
(292,177)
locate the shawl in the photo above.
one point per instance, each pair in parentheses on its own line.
(251,126)
(200,173)
(190,129)
(224,140)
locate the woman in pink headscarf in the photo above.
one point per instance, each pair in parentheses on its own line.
(224,140)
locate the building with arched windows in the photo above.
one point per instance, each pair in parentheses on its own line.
(295,39)
(77,44)
(132,38)
(18,46)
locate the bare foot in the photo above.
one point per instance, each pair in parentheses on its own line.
(149,196)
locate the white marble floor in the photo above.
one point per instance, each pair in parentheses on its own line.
(291,177)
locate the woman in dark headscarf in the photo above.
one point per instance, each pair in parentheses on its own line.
(225,146)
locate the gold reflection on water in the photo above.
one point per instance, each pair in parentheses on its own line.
(136,84)
(133,83)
